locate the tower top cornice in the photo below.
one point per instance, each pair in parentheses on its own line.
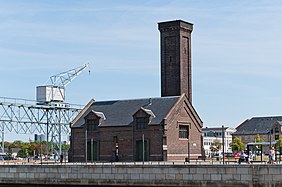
(175,25)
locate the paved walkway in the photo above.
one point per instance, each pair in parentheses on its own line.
(192,162)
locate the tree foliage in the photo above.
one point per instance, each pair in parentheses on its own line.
(258,138)
(65,147)
(237,144)
(279,141)
(33,148)
(215,146)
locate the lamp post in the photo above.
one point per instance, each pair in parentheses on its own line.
(3,145)
(143,147)
(223,143)
(270,139)
(65,151)
(47,138)
(133,141)
(188,145)
(86,145)
(91,150)
(40,150)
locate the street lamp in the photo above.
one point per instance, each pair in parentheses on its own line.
(3,145)
(223,143)
(86,145)
(143,147)
(40,150)
(188,145)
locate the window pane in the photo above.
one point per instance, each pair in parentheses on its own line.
(142,122)
(92,124)
(183,131)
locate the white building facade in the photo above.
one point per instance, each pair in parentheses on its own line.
(212,134)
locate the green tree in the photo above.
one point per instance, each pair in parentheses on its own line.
(65,147)
(31,148)
(7,144)
(17,144)
(21,153)
(25,146)
(258,139)
(279,141)
(237,144)
(215,146)
(9,151)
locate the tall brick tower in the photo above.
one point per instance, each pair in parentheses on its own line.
(176,77)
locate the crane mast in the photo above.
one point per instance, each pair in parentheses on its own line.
(49,115)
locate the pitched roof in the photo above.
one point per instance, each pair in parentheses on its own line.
(258,125)
(213,128)
(120,112)
(82,112)
(227,129)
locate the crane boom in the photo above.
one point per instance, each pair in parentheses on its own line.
(64,78)
(55,93)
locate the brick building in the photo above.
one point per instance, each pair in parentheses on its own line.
(116,130)
(268,128)
(156,129)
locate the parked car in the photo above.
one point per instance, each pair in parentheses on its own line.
(221,156)
(2,156)
(9,157)
(19,158)
(228,155)
(236,155)
(217,156)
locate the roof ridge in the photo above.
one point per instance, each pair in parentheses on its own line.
(169,97)
(266,117)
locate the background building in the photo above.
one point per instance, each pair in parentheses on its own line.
(268,128)
(39,137)
(212,134)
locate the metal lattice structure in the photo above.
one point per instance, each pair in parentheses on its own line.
(48,115)
(27,117)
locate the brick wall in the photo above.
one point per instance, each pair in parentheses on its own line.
(107,145)
(143,175)
(178,148)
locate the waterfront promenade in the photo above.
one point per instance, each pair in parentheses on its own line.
(195,173)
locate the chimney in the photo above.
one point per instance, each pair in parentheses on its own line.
(176,70)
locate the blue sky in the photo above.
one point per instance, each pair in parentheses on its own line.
(236,51)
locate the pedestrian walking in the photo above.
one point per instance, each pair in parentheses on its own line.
(250,157)
(242,157)
(271,155)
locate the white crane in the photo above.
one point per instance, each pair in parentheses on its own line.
(55,92)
